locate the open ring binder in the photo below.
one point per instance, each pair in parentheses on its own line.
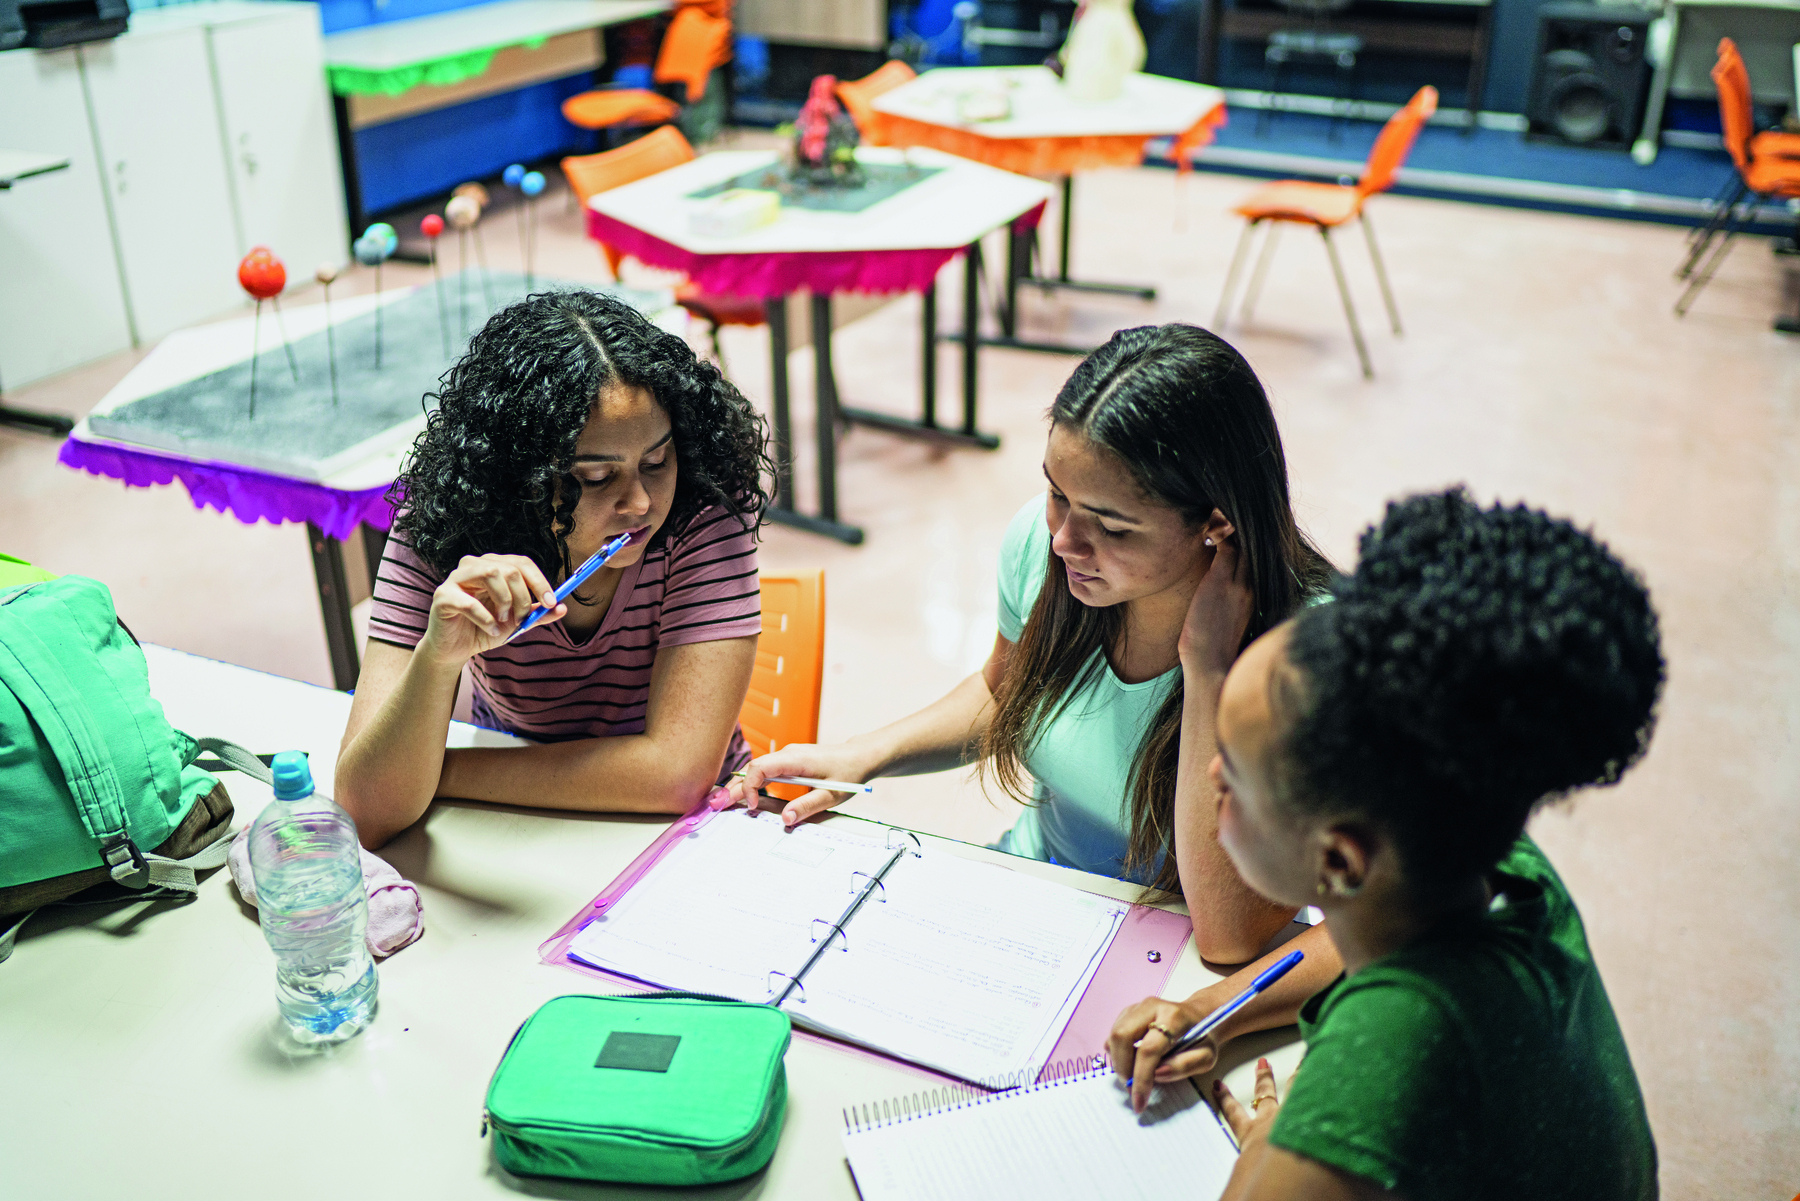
(958,948)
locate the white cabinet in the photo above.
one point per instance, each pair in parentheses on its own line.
(281,142)
(60,298)
(156,127)
(203,131)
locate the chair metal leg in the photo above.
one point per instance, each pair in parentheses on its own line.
(1702,241)
(1337,269)
(1261,273)
(1704,276)
(1237,264)
(1387,292)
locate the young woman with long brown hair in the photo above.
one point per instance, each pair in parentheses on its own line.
(1096,706)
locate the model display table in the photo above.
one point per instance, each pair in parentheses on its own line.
(896,244)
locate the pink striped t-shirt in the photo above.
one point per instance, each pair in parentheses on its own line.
(698,587)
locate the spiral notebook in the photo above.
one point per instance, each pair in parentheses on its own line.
(960,966)
(1071,1137)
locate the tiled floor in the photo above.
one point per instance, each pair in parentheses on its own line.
(1540,362)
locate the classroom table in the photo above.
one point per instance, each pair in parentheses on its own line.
(418,64)
(350,500)
(896,245)
(1764,30)
(1046,132)
(17,165)
(143,1050)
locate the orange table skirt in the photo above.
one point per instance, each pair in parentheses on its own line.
(1040,156)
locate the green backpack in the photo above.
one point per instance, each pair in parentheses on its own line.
(95,786)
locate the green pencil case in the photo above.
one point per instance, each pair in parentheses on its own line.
(666,1088)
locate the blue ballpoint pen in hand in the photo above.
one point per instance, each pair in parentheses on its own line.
(579,577)
(1207,1024)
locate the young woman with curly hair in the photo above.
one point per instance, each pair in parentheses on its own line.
(1379,757)
(570,420)
(1162,451)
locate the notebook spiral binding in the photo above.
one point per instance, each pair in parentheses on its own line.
(960,1095)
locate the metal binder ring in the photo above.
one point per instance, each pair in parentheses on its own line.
(892,846)
(792,984)
(872,880)
(834,928)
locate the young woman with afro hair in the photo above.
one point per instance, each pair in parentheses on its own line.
(1379,757)
(570,420)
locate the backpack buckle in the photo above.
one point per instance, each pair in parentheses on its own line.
(125,862)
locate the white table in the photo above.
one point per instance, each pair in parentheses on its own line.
(142,1048)
(1046,130)
(1690,33)
(898,244)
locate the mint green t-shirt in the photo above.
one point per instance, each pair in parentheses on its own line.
(1481,1063)
(1082,763)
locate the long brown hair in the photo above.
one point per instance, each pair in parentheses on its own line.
(1188,418)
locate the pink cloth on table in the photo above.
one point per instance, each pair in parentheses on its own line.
(769,274)
(396,916)
(247,494)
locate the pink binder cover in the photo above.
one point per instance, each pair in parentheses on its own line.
(1127,973)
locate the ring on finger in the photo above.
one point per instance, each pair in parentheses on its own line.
(1256,1103)
(1164,1031)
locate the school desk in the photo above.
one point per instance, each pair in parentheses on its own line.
(141,1045)
(1046,132)
(895,245)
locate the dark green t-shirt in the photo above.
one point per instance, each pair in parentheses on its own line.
(1482,1061)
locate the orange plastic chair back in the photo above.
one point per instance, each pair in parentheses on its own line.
(697,41)
(859,95)
(1395,142)
(782,706)
(590,174)
(1736,116)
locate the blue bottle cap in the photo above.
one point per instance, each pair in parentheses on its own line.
(293,776)
(513,174)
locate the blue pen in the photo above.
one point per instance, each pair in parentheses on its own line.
(1276,971)
(595,562)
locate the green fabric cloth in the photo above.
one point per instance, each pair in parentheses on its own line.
(1482,1061)
(439,72)
(1082,764)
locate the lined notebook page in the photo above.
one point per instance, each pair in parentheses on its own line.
(728,904)
(964,967)
(1077,1140)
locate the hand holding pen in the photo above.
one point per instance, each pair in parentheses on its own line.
(1157,1041)
(832,772)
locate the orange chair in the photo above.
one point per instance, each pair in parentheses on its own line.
(1765,166)
(859,96)
(655,152)
(782,706)
(1326,206)
(697,42)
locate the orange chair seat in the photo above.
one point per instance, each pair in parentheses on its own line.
(720,310)
(1773,144)
(1326,204)
(1773,176)
(623,106)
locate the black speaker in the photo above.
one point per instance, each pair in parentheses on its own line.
(1591,76)
(47,24)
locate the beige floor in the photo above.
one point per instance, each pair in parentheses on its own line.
(1541,362)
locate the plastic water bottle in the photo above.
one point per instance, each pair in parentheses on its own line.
(310,900)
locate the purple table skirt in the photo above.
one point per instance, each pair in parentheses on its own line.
(246,494)
(767,275)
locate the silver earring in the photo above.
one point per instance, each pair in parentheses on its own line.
(1209,542)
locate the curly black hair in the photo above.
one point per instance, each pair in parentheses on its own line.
(490,473)
(1479,663)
